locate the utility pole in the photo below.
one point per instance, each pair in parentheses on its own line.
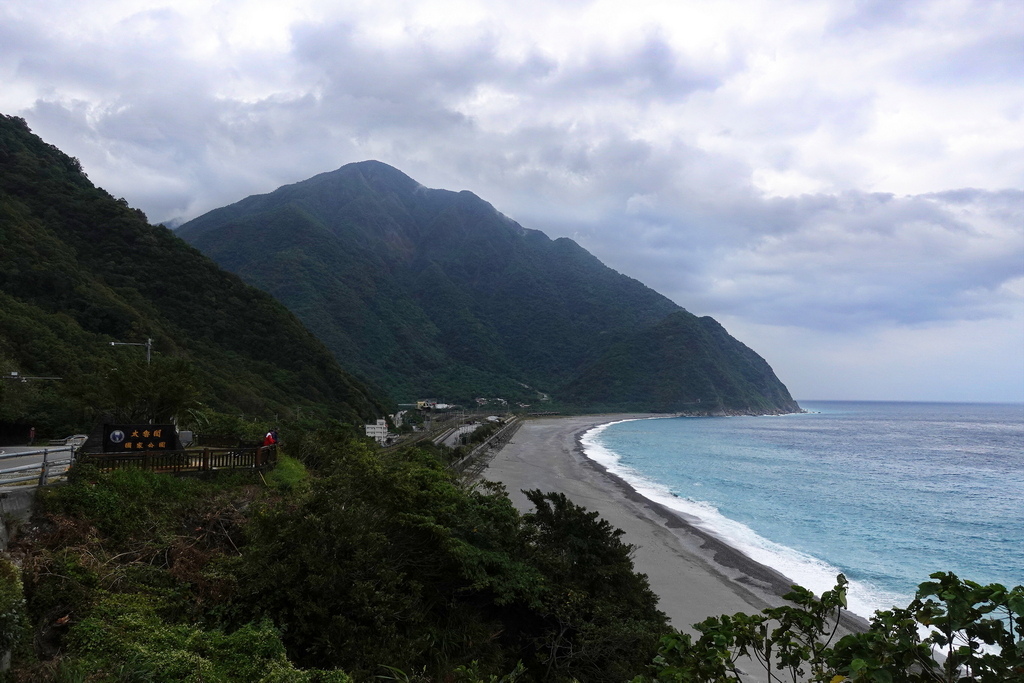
(149,354)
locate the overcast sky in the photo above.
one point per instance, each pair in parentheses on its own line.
(839,182)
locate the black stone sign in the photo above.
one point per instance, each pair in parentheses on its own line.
(139,438)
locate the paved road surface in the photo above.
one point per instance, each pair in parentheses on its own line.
(36,457)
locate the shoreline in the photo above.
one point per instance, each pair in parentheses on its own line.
(752,573)
(694,573)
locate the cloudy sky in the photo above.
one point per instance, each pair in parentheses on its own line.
(839,182)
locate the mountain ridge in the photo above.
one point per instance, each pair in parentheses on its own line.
(79,269)
(427,292)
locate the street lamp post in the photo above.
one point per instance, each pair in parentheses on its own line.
(148,345)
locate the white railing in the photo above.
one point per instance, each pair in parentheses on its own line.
(55,462)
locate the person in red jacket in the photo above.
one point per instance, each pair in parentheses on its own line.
(271,438)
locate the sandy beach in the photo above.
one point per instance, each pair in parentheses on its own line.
(694,574)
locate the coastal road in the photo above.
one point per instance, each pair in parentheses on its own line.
(14,451)
(10,456)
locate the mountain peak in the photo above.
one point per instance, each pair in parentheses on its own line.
(429,292)
(375,174)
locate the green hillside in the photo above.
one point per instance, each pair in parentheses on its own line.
(79,269)
(683,363)
(435,293)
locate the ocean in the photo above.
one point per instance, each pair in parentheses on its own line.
(885,493)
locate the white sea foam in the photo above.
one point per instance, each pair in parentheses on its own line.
(803,569)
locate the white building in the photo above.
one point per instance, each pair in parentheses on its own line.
(378,431)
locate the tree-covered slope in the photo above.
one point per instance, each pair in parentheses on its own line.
(79,269)
(435,293)
(367,566)
(684,363)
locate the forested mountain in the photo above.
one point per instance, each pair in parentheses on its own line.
(435,293)
(80,269)
(682,363)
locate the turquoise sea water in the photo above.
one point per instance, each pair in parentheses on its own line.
(884,492)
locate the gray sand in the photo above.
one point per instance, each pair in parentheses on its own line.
(694,574)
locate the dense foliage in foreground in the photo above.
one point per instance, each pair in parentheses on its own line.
(352,564)
(975,634)
(374,563)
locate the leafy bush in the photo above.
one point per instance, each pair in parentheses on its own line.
(288,473)
(128,628)
(12,605)
(126,503)
(388,560)
(975,635)
(126,575)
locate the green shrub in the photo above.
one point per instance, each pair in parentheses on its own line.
(125,503)
(12,605)
(389,562)
(126,631)
(288,474)
(975,634)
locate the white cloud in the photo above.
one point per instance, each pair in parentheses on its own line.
(786,163)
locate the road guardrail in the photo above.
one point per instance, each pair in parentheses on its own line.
(55,462)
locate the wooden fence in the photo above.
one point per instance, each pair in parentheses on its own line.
(259,458)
